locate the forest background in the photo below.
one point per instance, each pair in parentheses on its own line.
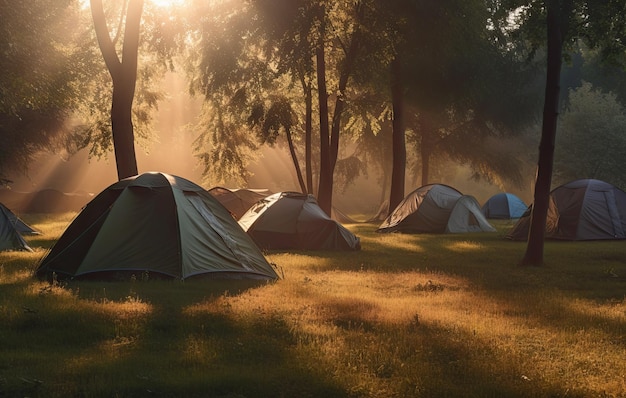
(211,73)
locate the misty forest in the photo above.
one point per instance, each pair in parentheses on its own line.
(369,116)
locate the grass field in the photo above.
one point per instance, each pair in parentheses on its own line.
(408,316)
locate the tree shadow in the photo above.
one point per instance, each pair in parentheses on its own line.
(157,338)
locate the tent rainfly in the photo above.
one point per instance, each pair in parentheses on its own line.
(436,208)
(238,201)
(290,220)
(155,223)
(11,230)
(585,209)
(504,206)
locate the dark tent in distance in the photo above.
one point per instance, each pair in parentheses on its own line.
(584,209)
(290,220)
(238,201)
(504,206)
(11,230)
(158,224)
(436,208)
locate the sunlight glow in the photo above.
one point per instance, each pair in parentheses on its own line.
(167,3)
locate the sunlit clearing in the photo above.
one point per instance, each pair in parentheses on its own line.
(131,306)
(400,241)
(615,312)
(9,277)
(465,246)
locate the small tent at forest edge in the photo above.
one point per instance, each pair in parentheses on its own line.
(436,208)
(504,206)
(291,220)
(11,230)
(159,224)
(585,209)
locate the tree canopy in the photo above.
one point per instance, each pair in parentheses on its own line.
(39,84)
(591,142)
(338,82)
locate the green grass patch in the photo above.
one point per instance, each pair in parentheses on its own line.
(407,316)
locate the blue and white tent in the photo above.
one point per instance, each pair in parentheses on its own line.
(504,206)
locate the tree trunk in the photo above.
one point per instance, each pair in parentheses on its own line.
(426,148)
(534,248)
(425,155)
(294,158)
(124,76)
(308,132)
(398,154)
(324,191)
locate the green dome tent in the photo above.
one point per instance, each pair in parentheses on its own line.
(290,220)
(436,208)
(155,223)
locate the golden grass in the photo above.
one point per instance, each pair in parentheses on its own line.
(408,316)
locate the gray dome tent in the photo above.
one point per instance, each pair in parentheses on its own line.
(290,220)
(11,230)
(156,223)
(584,209)
(436,208)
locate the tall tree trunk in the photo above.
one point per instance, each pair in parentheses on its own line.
(534,248)
(398,153)
(124,77)
(426,148)
(425,155)
(308,132)
(324,191)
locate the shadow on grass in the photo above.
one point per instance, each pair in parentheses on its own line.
(456,364)
(593,270)
(136,339)
(419,359)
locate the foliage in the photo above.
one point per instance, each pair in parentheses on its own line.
(606,76)
(38,90)
(223,148)
(458,80)
(228,68)
(53,91)
(591,140)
